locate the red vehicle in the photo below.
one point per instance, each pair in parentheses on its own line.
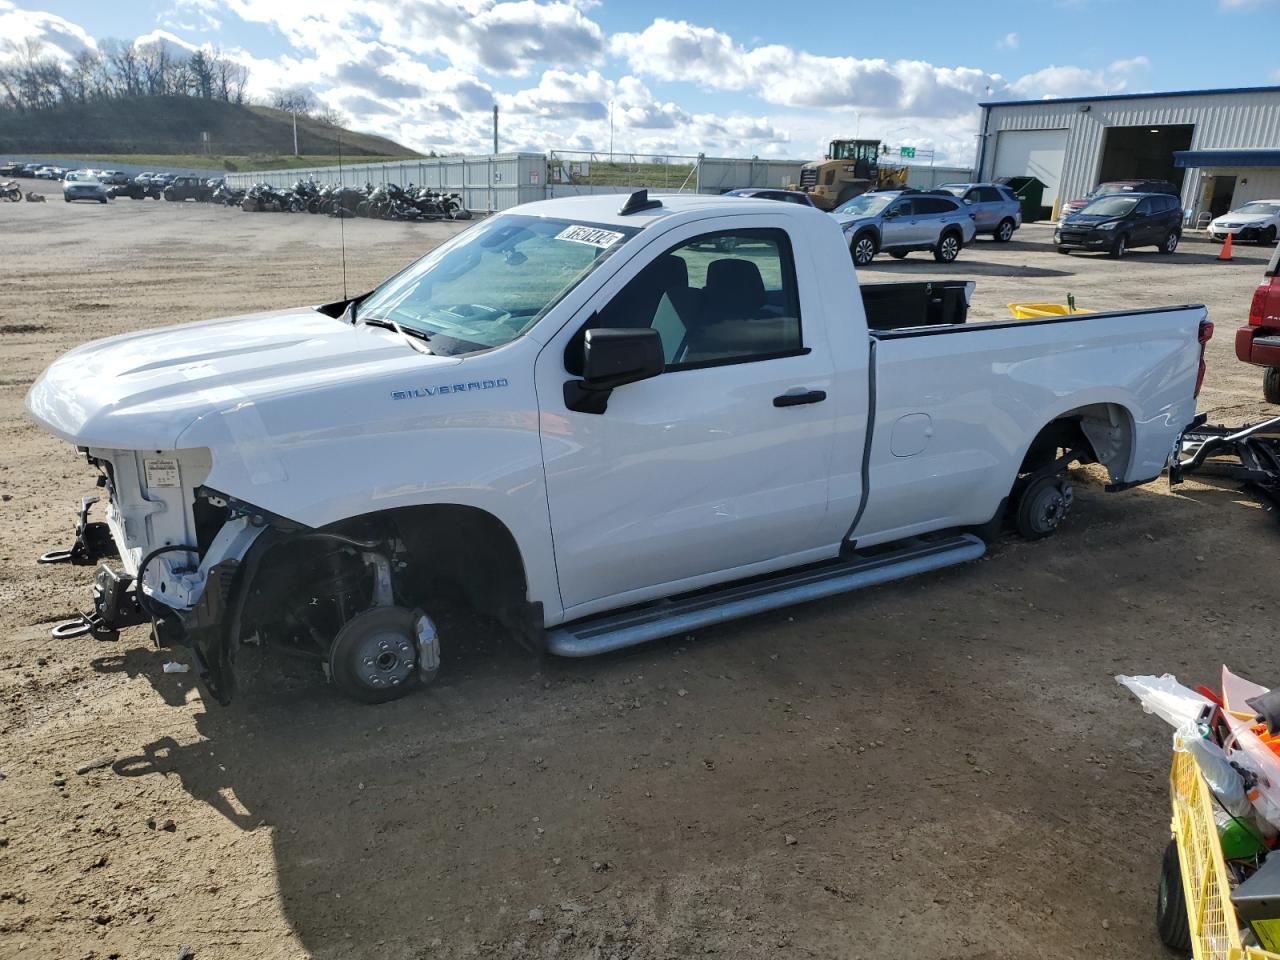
(1259,342)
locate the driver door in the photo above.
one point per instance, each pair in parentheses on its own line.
(719,466)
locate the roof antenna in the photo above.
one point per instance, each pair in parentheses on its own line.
(342,227)
(638,201)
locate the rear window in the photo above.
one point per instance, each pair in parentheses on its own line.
(934,205)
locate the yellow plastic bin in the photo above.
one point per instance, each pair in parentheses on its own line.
(1035,311)
(1215,931)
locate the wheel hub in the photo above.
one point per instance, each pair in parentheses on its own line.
(1052,507)
(385,659)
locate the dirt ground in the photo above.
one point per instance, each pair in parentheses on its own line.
(937,768)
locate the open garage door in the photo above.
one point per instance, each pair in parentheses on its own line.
(1145,152)
(1032,153)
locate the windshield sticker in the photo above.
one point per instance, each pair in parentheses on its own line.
(591,236)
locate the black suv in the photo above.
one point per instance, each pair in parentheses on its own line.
(188,188)
(1119,222)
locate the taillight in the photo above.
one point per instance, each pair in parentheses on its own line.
(1258,304)
(1206,334)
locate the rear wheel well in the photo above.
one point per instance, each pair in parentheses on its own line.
(1099,432)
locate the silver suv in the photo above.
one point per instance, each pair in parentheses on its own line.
(899,221)
(997,209)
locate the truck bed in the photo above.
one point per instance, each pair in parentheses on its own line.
(896,306)
(955,406)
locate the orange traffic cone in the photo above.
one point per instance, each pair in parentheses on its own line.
(1226,249)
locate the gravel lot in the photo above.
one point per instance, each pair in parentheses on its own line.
(937,768)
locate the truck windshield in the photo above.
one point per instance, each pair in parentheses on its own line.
(491,283)
(1110,207)
(867,205)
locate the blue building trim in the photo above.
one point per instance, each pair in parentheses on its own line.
(1047,101)
(1226,158)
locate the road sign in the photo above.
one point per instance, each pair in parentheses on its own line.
(907,153)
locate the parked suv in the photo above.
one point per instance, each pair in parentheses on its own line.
(188,188)
(1118,222)
(1117,186)
(768,193)
(996,208)
(1259,342)
(899,221)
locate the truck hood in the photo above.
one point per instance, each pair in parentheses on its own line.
(140,391)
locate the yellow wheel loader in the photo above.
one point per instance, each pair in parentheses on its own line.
(851,167)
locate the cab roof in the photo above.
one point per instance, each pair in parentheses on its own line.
(606,208)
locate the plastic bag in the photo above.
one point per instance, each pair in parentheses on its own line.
(1164,696)
(1246,749)
(1223,779)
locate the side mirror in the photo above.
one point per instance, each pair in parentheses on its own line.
(891,213)
(612,358)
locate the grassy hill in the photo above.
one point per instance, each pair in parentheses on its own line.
(174,126)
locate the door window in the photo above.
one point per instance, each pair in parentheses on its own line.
(1146,208)
(725,297)
(988,195)
(933,205)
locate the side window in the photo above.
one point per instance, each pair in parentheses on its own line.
(934,206)
(727,297)
(903,208)
(989,195)
(1146,207)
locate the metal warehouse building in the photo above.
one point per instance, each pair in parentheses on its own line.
(1222,147)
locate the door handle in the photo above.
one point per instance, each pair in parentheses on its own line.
(795,399)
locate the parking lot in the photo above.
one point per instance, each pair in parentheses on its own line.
(940,767)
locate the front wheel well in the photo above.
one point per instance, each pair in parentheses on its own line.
(465,551)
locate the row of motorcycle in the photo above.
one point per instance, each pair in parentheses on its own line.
(387,202)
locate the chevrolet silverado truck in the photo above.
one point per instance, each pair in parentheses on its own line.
(599,426)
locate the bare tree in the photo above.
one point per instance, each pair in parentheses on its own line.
(31,79)
(295,100)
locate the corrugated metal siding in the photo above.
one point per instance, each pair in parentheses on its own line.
(1220,120)
(485,183)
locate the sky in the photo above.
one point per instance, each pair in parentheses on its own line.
(731,78)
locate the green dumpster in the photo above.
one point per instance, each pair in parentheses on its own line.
(1031,192)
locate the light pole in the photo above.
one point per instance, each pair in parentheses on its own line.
(611,131)
(294,111)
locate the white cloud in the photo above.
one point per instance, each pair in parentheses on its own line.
(193,16)
(1067,81)
(1008,42)
(674,50)
(55,36)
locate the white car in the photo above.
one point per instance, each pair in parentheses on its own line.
(1257,221)
(81,186)
(600,426)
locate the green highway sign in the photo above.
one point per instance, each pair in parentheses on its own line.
(906,152)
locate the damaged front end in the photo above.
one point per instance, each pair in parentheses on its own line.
(215,574)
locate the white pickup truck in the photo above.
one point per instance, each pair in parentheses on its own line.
(598,425)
